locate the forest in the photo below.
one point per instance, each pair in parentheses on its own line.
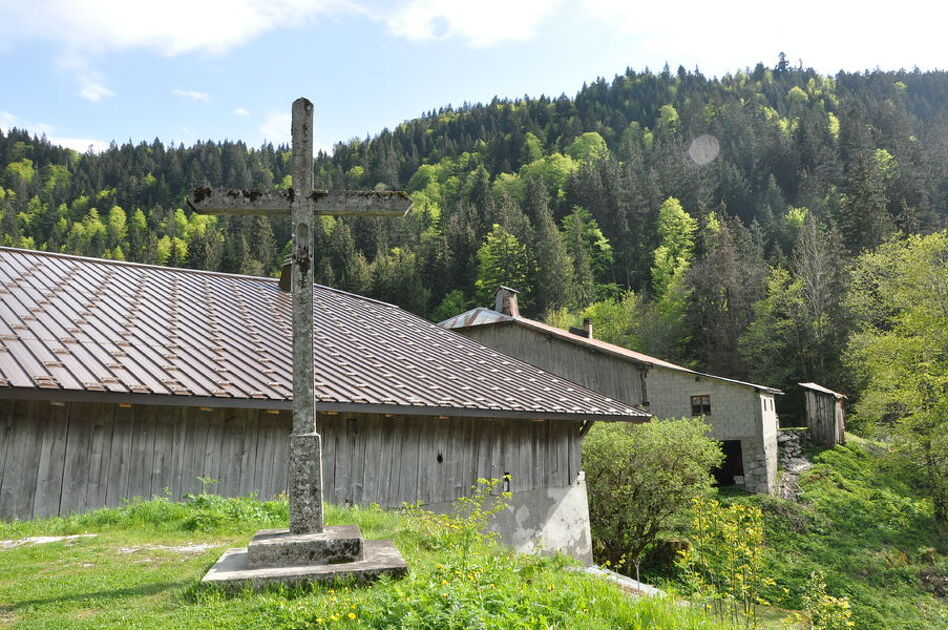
(710,221)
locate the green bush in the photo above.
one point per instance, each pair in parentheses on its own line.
(641,480)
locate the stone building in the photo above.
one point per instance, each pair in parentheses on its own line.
(742,415)
(120,380)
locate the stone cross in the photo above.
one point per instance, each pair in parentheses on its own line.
(303,203)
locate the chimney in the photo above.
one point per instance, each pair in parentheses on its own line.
(505,301)
(588,327)
(286,274)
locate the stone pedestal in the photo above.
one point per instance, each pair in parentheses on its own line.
(280,547)
(278,556)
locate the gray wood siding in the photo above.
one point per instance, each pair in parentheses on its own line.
(55,460)
(824,417)
(614,377)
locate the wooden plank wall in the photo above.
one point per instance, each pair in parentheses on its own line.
(824,417)
(55,460)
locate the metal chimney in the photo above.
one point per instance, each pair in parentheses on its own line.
(286,274)
(588,327)
(505,301)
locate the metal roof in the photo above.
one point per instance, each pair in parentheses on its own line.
(89,329)
(481,316)
(820,388)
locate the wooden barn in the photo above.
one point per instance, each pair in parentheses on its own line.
(823,414)
(742,415)
(120,380)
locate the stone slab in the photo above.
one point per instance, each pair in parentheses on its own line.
(233,571)
(281,547)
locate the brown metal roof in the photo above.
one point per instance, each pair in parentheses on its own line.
(481,316)
(83,328)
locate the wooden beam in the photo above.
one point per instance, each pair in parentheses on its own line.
(237,201)
(383,203)
(240,201)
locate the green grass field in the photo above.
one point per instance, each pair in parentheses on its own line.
(863,524)
(860,522)
(118,579)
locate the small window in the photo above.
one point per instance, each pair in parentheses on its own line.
(701,405)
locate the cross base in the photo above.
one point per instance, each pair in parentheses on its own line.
(281,547)
(233,570)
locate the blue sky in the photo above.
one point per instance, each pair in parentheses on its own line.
(92,71)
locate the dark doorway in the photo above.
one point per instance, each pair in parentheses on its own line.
(733,465)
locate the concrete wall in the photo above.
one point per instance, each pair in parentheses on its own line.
(737,411)
(547,520)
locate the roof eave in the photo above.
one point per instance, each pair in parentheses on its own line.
(64,395)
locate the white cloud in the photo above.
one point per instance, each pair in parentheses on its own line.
(194,95)
(826,35)
(482,24)
(94,91)
(240,111)
(276,127)
(80,144)
(171,27)
(91,84)
(81,30)
(8,120)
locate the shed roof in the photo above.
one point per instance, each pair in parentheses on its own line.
(481,316)
(74,328)
(819,388)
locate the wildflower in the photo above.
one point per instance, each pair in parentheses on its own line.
(352,615)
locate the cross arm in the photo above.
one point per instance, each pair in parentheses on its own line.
(240,201)
(278,202)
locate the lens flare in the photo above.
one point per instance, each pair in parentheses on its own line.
(704,149)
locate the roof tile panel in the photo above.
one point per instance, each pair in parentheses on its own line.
(92,325)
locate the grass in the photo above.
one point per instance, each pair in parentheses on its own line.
(111,581)
(862,523)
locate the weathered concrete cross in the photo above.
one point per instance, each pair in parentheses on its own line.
(304,203)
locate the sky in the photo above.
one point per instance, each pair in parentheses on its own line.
(88,72)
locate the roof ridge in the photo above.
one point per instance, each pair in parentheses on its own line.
(601,345)
(646,357)
(129,263)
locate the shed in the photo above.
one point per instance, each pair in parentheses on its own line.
(824,414)
(741,414)
(120,380)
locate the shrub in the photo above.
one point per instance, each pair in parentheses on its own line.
(724,560)
(641,480)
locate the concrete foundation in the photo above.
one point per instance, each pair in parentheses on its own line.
(278,556)
(233,570)
(546,520)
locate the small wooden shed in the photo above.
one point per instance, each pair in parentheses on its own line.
(824,414)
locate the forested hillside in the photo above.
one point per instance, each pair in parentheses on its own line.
(709,221)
